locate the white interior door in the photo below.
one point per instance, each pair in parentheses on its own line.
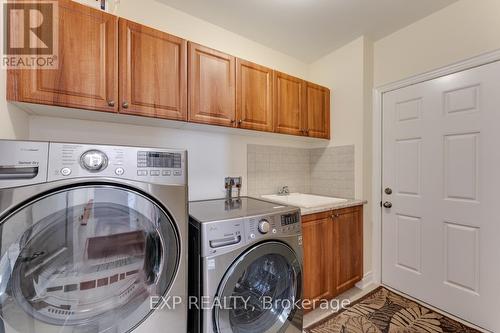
(441,158)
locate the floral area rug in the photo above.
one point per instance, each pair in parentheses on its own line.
(383,311)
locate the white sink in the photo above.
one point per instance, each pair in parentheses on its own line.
(304,200)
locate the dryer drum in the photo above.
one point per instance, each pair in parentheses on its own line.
(93,262)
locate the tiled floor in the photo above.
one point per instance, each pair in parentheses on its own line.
(351,295)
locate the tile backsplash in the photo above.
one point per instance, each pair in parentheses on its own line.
(324,171)
(270,168)
(332,171)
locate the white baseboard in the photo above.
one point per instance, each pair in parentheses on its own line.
(366,281)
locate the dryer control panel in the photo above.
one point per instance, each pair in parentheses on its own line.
(22,163)
(151,165)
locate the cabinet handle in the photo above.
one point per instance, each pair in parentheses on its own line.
(240,122)
(125,105)
(111,103)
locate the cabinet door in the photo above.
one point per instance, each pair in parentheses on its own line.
(289,104)
(87,73)
(153,72)
(254,96)
(318,111)
(211,86)
(317,235)
(348,247)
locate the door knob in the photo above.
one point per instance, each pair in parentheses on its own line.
(125,105)
(387,204)
(111,103)
(388,191)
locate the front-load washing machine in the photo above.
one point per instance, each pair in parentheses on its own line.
(245,267)
(93,238)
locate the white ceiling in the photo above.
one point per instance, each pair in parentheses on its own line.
(309,29)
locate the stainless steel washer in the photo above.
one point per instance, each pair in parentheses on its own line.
(91,236)
(246,259)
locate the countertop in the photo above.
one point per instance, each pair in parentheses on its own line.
(348,203)
(307,209)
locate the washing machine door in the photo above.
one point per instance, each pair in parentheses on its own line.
(85,259)
(259,290)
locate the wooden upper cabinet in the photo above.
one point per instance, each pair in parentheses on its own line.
(318,111)
(211,86)
(348,247)
(317,234)
(254,96)
(289,104)
(153,72)
(115,65)
(87,73)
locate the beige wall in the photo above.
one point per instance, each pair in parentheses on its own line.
(348,73)
(342,72)
(14,122)
(457,32)
(160,16)
(212,154)
(462,30)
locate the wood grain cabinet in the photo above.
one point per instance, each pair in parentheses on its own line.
(333,252)
(254,96)
(212,86)
(153,72)
(115,65)
(87,73)
(348,247)
(289,105)
(318,111)
(317,235)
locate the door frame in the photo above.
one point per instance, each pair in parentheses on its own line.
(377,142)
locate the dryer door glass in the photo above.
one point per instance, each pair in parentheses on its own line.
(259,291)
(85,259)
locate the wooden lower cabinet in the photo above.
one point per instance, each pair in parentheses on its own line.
(348,247)
(317,236)
(333,252)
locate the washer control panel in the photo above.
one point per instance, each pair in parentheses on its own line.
(152,165)
(273,225)
(224,236)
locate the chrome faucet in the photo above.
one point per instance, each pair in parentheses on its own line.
(229,182)
(284,191)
